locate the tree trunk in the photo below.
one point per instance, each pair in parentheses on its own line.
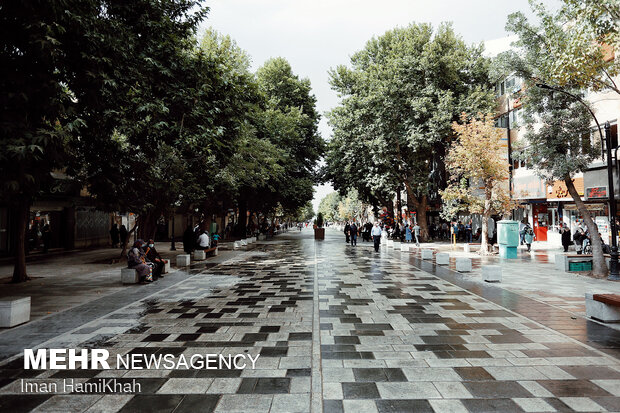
(486,214)
(599,267)
(23,215)
(242,222)
(420,209)
(129,234)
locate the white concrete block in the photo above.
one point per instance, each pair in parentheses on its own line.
(463,264)
(427,254)
(601,311)
(129,276)
(254,239)
(397,245)
(390,243)
(492,273)
(183,260)
(244,242)
(404,246)
(442,258)
(237,244)
(199,255)
(166,269)
(217,250)
(14,311)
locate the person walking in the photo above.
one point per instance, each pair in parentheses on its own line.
(578,238)
(347,230)
(353,231)
(565,231)
(416,234)
(376,236)
(528,236)
(114,235)
(522,231)
(407,233)
(189,241)
(123,234)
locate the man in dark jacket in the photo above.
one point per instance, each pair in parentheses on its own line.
(189,240)
(353,232)
(347,228)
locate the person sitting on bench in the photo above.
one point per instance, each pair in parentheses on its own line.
(153,257)
(136,260)
(203,240)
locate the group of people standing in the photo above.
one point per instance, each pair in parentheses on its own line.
(118,235)
(403,231)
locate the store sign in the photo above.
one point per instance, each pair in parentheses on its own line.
(559,192)
(528,187)
(596,192)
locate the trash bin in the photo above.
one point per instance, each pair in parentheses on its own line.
(508,238)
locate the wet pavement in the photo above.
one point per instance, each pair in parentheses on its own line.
(336,329)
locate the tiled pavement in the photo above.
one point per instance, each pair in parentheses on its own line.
(337,329)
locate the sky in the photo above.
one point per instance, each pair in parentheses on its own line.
(317,35)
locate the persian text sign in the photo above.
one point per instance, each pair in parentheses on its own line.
(596,192)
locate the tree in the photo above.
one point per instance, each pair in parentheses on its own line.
(399,98)
(478,172)
(573,45)
(558,121)
(329,207)
(559,146)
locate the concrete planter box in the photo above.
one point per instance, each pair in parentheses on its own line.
(471,247)
(442,258)
(166,269)
(199,255)
(427,254)
(129,276)
(463,264)
(14,311)
(183,260)
(492,273)
(601,311)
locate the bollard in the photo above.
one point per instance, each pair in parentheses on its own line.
(442,258)
(463,264)
(427,254)
(492,273)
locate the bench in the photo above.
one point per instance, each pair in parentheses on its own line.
(563,261)
(463,264)
(603,307)
(14,311)
(129,276)
(166,269)
(427,254)
(183,260)
(442,258)
(211,251)
(470,247)
(492,273)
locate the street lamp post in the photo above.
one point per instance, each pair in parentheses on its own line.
(613,262)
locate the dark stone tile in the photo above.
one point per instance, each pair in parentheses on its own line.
(559,405)
(298,373)
(404,406)
(299,336)
(491,406)
(253,337)
(147,386)
(569,388)
(20,403)
(591,372)
(198,403)
(360,391)
(155,337)
(496,389)
(264,386)
(152,403)
(333,406)
(609,403)
(473,373)
(269,329)
(274,351)
(346,340)
(75,374)
(187,337)
(378,374)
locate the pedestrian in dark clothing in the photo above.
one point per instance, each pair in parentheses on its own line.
(565,237)
(46,236)
(123,234)
(353,231)
(153,257)
(189,240)
(347,229)
(114,235)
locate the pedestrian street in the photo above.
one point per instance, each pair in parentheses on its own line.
(336,328)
